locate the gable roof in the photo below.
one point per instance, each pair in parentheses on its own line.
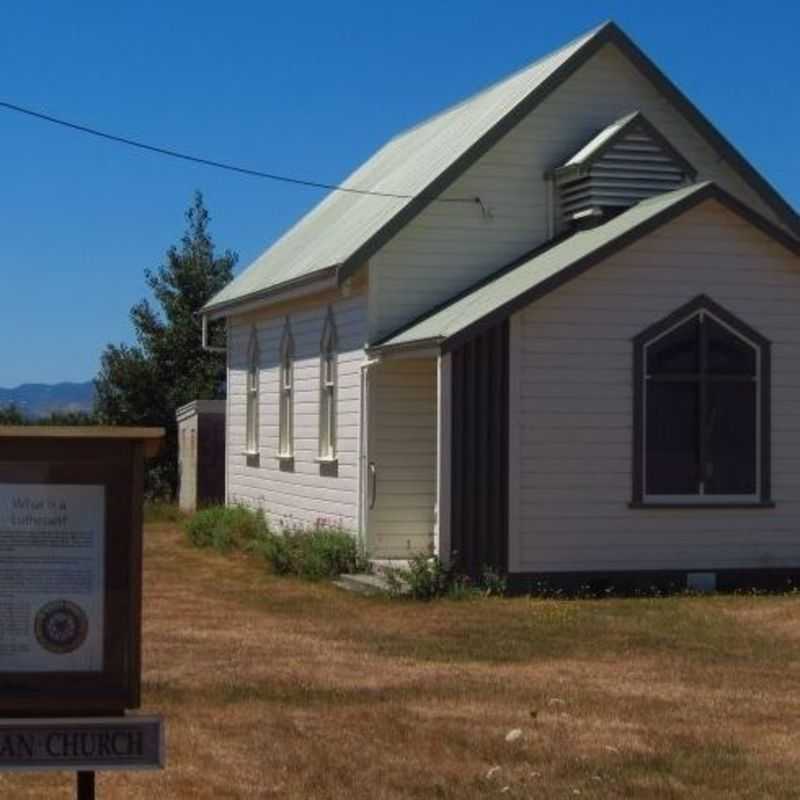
(334,232)
(539,273)
(597,147)
(414,168)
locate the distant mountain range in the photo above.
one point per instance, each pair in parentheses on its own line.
(41,399)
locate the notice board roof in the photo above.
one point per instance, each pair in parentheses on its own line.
(151,436)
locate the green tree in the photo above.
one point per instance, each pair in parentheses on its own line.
(68,418)
(11,415)
(143,384)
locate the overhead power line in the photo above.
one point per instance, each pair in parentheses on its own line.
(208,162)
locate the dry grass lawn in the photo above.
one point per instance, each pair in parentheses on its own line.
(276,688)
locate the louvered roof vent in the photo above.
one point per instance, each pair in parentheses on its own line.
(626,162)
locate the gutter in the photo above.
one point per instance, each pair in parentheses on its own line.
(326,278)
(319,281)
(387,350)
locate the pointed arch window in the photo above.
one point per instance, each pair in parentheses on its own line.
(286,399)
(327,391)
(253,366)
(702,430)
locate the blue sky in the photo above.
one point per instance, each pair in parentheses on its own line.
(305,89)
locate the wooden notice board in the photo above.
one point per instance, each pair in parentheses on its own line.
(71,568)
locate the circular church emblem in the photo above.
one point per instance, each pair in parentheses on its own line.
(61,626)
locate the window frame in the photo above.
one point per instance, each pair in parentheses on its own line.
(328,391)
(703,305)
(286,395)
(252,394)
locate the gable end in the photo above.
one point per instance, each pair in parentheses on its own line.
(609,33)
(626,162)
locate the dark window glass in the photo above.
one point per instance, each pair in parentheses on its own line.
(676,352)
(731,438)
(672,438)
(728,354)
(701,411)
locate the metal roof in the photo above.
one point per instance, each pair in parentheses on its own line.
(591,147)
(546,269)
(197,407)
(336,228)
(614,134)
(342,231)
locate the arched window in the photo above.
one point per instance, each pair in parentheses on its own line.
(251,433)
(701,395)
(286,389)
(327,390)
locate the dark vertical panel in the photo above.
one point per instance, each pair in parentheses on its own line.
(486,433)
(457,453)
(479,450)
(478,435)
(458,457)
(210,459)
(472,453)
(502,450)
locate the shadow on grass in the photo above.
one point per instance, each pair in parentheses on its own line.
(697,629)
(507,631)
(701,629)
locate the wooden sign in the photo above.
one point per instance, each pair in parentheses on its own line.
(41,745)
(71,569)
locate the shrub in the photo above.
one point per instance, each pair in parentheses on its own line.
(426,577)
(323,550)
(227,527)
(493,582)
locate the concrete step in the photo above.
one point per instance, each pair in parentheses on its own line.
(374,583)
(363,584)
(379,566)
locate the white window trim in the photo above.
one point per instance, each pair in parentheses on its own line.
(702,499)
(252,390)
(286,396)
(328,392)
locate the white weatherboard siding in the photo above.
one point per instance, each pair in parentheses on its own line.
(302,491)
(403,434)
(573,405)
(450,246)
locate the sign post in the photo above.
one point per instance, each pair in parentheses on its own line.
(86,786)
(70,600)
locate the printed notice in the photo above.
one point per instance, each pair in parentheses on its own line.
(52,539)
